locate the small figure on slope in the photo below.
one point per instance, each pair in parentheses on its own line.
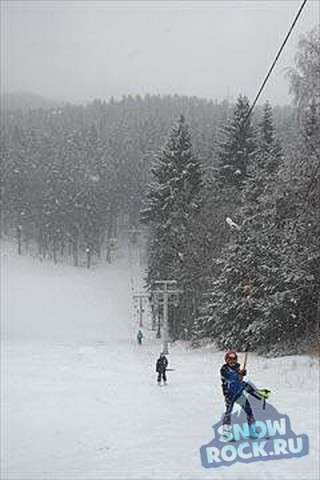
(234,388)
(139,337)
(161,366)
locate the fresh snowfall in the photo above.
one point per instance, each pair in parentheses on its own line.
(79,397)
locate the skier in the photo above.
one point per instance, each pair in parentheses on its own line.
(139,337)
(233,388)
(161,366)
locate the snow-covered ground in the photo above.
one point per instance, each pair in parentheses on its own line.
(79,398)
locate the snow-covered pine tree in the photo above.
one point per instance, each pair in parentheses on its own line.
(237,145)
(171,203)
(235,152)
(304,189)
(278,243)
(254,255)
(269,149)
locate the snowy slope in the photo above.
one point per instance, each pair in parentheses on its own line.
(79,397)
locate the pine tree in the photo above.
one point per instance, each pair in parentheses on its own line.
(278,243)
(251,257)
(237,145)
(269,151)
(304,188)
(172,201)
(176,180)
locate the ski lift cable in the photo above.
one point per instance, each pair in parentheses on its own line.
(274,63)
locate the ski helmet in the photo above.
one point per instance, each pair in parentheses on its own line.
(232,353)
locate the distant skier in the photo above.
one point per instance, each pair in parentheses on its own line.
(139,337)
(233,388)
(161,366)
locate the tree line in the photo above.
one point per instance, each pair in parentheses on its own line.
(183,166)
(69,172)
(241,236)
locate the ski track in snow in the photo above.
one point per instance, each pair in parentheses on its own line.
(79,397)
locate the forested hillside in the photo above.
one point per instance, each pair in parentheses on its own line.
(59,163)
(182,166)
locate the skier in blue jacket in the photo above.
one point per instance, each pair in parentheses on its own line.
(233,388)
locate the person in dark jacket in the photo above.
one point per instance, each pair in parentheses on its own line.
(233,388)
(161,366)
(139,337)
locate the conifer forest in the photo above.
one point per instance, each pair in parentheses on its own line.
(228,200)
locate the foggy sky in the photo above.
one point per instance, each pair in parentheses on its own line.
(80,50)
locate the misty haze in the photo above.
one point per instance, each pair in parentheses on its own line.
(76,51)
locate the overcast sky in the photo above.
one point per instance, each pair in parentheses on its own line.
(80,50)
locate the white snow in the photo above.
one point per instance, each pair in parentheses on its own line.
(79,397)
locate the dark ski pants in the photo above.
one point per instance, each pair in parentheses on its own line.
(162,375)
(243,402)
